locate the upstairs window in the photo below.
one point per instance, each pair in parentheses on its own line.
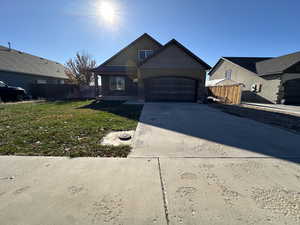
(143,54)
(117,83)
(228,74)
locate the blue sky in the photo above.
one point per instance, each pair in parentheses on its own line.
(57,29)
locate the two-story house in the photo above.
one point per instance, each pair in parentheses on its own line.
(150,71)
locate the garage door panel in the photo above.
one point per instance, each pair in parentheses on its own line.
(170,89)
(292,91)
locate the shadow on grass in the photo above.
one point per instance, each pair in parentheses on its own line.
(116,107)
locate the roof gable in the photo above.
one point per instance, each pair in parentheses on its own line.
(20,62)
(129,59)
(163,56)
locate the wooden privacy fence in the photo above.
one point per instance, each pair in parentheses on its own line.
(229,94)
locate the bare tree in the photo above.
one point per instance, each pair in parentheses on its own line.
(78,69)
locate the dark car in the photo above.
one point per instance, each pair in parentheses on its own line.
(9,93)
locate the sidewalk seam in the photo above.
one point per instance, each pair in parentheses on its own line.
(164,193)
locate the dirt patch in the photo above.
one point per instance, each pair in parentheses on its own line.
(113,139)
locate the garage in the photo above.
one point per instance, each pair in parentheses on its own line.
(175,89)
(292,92)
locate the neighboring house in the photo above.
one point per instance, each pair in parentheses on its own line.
(265,80)
(21,69)
(148,70)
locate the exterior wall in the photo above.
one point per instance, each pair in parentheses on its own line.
(130,87)
(270,86)
(173,61)
(129,57)
(25,80)
(172,57)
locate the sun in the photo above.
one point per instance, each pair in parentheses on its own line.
(107,11)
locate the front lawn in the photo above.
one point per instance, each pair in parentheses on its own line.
(67,128)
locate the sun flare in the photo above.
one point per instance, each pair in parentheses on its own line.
(107,11)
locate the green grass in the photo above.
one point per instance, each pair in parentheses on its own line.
(67,128)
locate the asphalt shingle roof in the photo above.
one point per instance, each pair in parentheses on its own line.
(278,64)
(16,61)
(248,63)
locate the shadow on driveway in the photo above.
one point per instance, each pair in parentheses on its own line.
(193,130)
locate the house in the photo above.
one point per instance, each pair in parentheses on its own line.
(148,70)
(21,69)
(265,79)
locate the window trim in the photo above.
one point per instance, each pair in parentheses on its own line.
(148,52)
(41,81)
(228,72)
(116,88)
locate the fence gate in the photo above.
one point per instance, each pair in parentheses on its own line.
(229,94)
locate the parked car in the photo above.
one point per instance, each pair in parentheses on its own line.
(9,93)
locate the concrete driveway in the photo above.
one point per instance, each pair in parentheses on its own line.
(194,130)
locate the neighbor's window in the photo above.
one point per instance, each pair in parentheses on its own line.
(117,83)
(228,74)
(143,54)
(41,82)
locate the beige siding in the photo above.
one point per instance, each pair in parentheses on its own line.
(172,57)
(173,61)
(270,88)
(129,57)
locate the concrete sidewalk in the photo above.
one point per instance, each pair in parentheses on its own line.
(287,109)
(62,191)
(140,191)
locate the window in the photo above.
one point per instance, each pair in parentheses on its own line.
(41,82)
(228,74)
(143,54)
(62,82)
(117,83)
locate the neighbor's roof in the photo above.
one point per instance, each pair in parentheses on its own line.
(174,42)
(249,63)
(278,64)
(20,62)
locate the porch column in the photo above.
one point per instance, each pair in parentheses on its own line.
(96,85)
(141,88)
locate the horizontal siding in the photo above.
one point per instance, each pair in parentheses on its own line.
(24,80)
